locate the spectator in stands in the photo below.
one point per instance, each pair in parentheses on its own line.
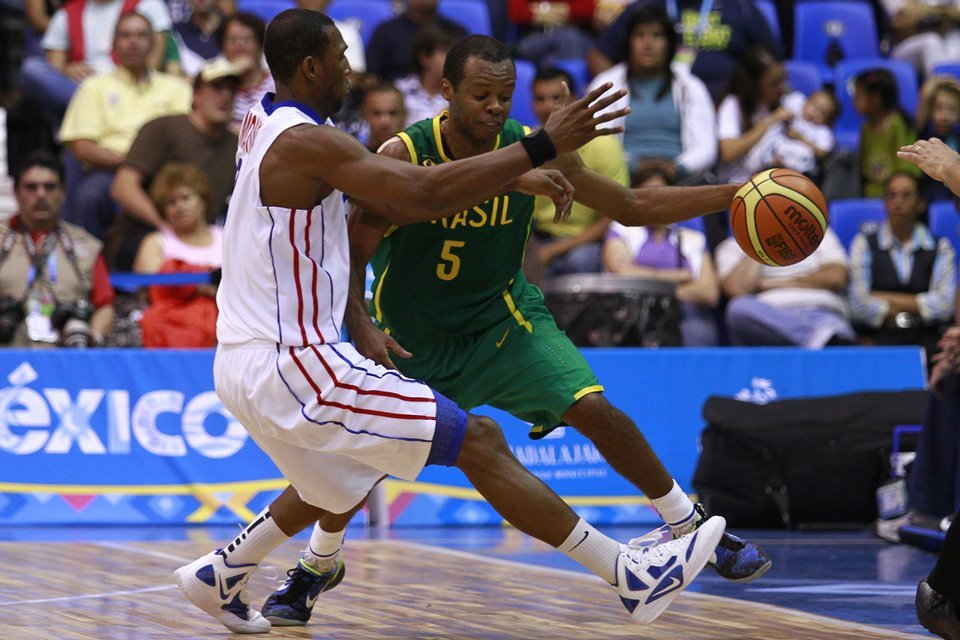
(201,137)
(808,138)
(572,245)
(77,45)
(903,280)
(54,286)
(356,54)
(241,40)
(421,90)
(751,119)
(181,316)
(672,115)
(884,130)
(552,30)
(196,36)
(925,32)
(107,112)
(714,37)
(390,46)
(938,116)
(383,113)
(800,305)
(669,253)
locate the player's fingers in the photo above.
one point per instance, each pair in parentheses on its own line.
(606,101)
(596,93)
(607,131)
(611,115)
(395,347)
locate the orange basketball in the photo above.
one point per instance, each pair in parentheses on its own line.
(778,217)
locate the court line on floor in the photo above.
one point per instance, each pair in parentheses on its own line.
(89,596)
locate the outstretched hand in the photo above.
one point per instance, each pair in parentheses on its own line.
(373,343)
(575,124)
(932,156)
(550,183)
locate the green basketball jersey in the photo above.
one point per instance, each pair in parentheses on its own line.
(458,274)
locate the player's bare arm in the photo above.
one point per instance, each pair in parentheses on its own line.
(638,207)
(294,174)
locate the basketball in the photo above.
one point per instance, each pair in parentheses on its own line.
(778,217)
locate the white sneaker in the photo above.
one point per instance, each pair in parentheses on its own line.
(221,590)
(650,576)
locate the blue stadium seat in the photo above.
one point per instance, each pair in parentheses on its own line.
(848,124)
(522,108)
(948,69)
(850,24)
(474,15)
(693,223)
(769,10)
(945,221)
(803,76)
(266,9)
(366,13)
(577,68)
(846,216)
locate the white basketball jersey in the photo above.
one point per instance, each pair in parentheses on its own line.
(285,271)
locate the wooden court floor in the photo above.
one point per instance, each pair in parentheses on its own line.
(393,589)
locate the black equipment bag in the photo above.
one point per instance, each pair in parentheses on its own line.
(802,462)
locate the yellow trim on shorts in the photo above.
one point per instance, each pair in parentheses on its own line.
(515,312)
(377,311)
(595,388)
(408,141)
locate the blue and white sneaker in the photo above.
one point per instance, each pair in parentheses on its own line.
(292,604)
(221,590)
(651,575)
(736,559)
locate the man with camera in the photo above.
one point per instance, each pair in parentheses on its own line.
(54,286)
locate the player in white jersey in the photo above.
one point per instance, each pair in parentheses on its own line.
(334,422)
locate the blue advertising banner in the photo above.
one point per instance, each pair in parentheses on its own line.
(139,436)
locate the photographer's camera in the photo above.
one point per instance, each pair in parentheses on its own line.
(73,322)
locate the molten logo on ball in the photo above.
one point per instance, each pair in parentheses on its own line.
(778,217)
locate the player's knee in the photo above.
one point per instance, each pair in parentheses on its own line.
(589,414)
(484,441)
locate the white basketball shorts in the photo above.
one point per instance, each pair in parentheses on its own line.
(333,421)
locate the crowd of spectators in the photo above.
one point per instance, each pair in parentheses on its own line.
(144,99)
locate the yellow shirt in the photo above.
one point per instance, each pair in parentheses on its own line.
(110,108)
(604,155)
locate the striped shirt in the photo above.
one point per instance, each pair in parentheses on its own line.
(285,271)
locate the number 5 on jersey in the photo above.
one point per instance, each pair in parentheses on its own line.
(449,266)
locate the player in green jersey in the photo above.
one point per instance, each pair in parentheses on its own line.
(450,298)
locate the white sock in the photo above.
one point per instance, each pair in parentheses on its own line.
(258,539)
(593,550)
(675,508)
(321,552)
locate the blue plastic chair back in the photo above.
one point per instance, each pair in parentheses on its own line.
(366,13)
(769,10)
(265,9)
(948,69)
(693,223)
(473,15)
(522,108)
(803,76)
(847,216)
(850,24)
(577,68)
(945,221)
(846,72)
